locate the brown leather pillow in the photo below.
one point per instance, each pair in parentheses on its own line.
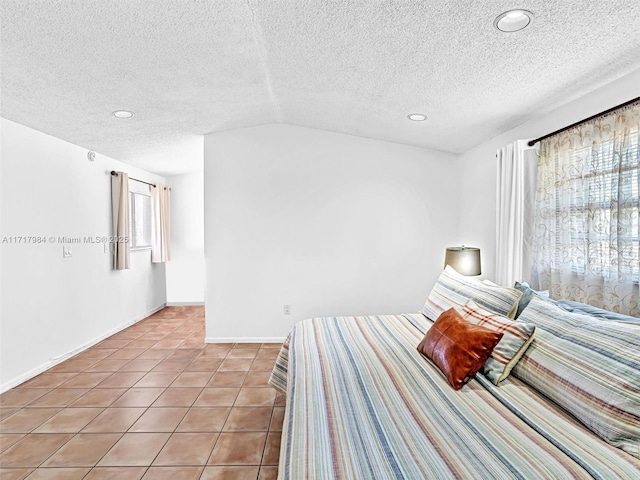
(459,348)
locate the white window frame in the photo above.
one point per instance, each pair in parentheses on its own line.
(136,188)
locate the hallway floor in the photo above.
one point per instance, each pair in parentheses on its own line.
(152,401)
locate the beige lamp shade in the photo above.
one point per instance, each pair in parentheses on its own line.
(464,260)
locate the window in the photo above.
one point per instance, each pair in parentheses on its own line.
(140,215)
(587,230)
(602,194)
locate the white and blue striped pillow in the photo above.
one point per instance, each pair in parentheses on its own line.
(588,366)
(515,339)
(455,290)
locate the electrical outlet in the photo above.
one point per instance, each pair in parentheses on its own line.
(66,251)
(287,310)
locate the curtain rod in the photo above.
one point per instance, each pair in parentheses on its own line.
(113,172)
(533,142)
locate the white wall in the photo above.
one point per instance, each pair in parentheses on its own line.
(51,305)
(477,167)
(185,271)
(330,224)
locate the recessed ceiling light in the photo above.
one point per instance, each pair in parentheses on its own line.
(417,117)
(513,20)
(123,114)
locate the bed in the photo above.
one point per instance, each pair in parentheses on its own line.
(362,402)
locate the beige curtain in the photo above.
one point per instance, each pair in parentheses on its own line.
(586,241)
(120,212)
(160,203)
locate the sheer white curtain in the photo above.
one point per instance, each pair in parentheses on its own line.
(516,182)
(160,204)
(120,213)
(586,226)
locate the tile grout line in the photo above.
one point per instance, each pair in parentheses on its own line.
(266,441)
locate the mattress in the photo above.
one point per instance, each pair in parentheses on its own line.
(363,403)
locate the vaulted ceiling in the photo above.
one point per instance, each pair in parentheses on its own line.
(191,67)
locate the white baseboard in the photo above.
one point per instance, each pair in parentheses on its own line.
(244,339)
(185,304)
(14,382)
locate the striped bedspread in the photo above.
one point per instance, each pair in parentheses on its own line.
(363,403)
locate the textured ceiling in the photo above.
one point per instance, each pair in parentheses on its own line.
(190,67)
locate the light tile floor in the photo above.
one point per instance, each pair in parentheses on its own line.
(153,402)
